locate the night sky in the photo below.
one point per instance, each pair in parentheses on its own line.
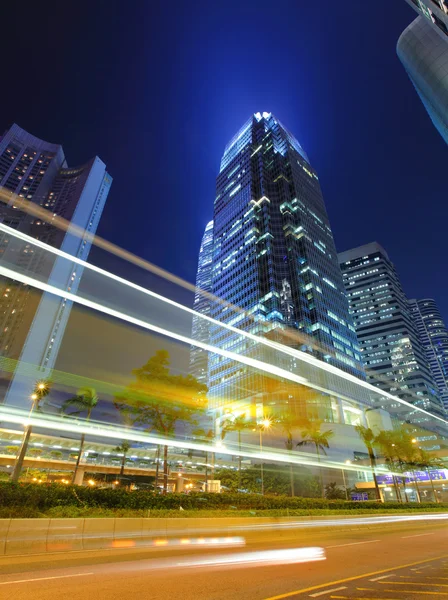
(156,89)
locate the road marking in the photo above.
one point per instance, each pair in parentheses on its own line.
(419,592)
(406,537)
(413,583)
(364,598)
(382,577)
(344,587)
(354,578)
(44,578)
(352,544)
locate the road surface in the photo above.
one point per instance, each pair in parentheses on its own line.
(383,562)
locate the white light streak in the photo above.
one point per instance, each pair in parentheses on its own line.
(297,354)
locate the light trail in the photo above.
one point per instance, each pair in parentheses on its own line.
(251,362)
(59,222)
(112,432)
(297,354)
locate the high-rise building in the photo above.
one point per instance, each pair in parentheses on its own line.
(275,259)
(434,337)
(423,50)
(31,170)
(392,353)
(202,305)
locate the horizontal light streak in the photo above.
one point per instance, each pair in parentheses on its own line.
(61,424)
(297,354)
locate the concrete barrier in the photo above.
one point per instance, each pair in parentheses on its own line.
(65,535)
(27,536)
(38,536)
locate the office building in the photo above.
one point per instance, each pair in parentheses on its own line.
(31,170)
(434,338)
(392,353)
(274,258)
(202,305)
(423,50)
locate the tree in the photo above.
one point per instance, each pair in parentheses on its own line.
(85,401)
(238,424)
(400,455)
(208,436)
(426,462)
(40,391)
(333,492)
(124,448)
(368,437)
(288,423)
(313,436)
(159,400)
(385,442)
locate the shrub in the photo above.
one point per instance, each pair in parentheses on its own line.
(44,497)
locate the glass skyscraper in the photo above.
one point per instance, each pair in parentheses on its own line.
(202,304)
(274,258)
(423,50)
(434,337)
(35,171)
(392,352)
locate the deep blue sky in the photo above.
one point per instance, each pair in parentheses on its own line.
(156,89)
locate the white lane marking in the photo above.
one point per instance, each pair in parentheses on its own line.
(344,587)
(353,544)
(405,537)
(44,578)
(382,577)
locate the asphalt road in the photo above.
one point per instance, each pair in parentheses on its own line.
(387,562)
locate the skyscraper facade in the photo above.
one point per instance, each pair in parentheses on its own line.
(202,305)
(434,337)
(392,353)
(34,171)
(423,50)
(274,258)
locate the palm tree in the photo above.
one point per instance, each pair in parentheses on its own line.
(368,437)
(313,436)
(288,423)
(124,448)
(208,436)
(85,401)
(426,462)
(385,440)
(40,391)
(238,424)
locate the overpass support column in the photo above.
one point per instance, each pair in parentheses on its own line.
(180,485)
(79,476)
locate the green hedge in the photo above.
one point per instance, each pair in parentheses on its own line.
(44,497)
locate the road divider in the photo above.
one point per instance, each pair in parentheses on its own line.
(39,536)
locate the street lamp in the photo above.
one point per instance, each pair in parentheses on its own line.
(347,462)
(41,389)
(263,426)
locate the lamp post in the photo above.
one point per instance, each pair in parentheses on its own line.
(262,426)
(347,462)
(41,390)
